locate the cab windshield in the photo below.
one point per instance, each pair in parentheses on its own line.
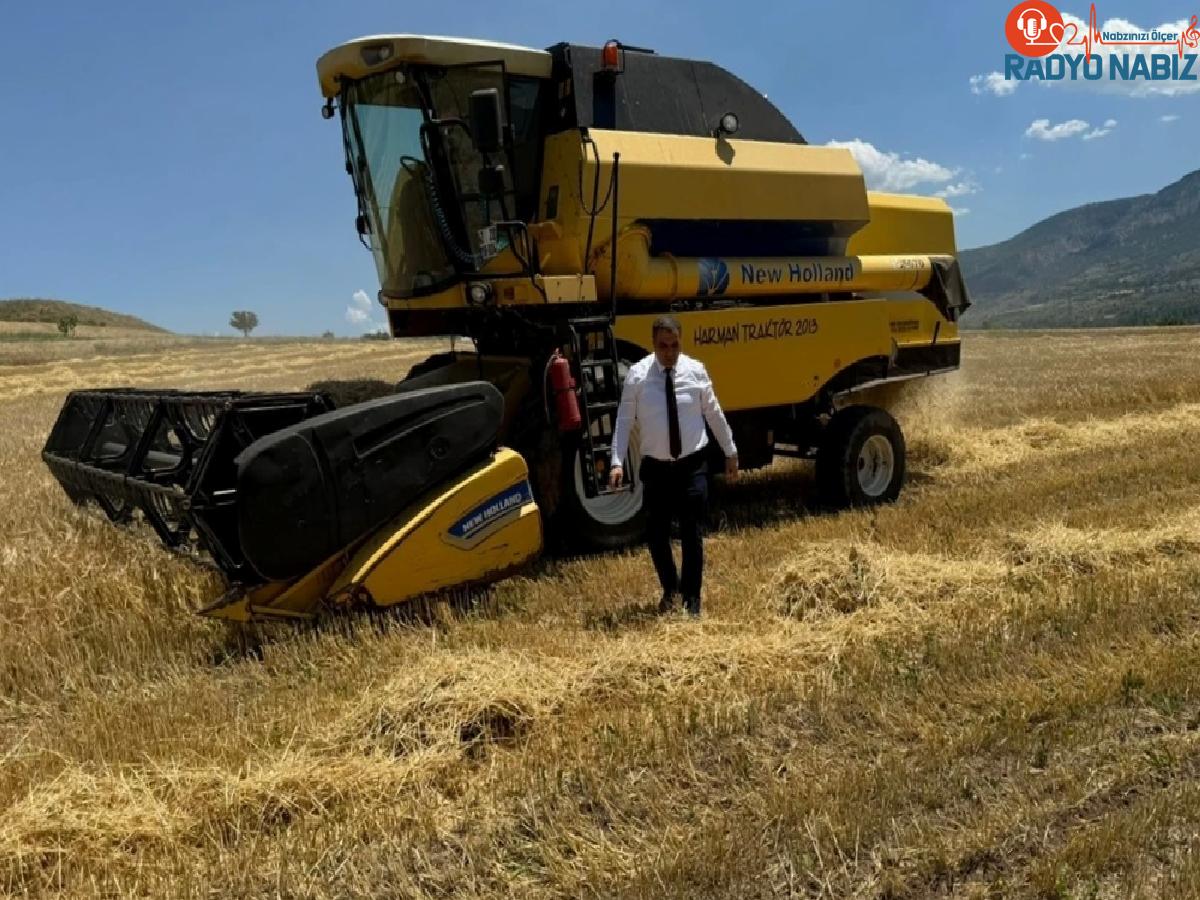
(416,171)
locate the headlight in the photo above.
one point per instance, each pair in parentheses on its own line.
(729,124)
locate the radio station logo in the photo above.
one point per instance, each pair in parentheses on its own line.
(1051,48)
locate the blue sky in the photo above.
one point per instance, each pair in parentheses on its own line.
(169,159)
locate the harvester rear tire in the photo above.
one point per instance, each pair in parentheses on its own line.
(861,458)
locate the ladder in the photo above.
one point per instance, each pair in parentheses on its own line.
(595,360)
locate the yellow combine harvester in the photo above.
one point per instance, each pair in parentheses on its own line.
(547,204)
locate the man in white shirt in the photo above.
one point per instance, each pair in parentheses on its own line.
(670,397)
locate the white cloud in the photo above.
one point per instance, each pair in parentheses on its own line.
(1109,125)
(959,189)
(359,310)
(1138,88)
(361,313)
(959,211)
(1044,131)
(1168,119)
(888,172)
(1025,156)
(992,83)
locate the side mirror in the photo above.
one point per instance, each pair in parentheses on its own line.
(487,127)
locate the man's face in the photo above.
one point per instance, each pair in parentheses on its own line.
(666,348)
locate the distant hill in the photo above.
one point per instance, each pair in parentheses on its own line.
(36,310)
(1133,261)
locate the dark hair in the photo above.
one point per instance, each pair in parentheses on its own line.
(665,323)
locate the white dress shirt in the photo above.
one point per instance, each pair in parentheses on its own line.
(644,401)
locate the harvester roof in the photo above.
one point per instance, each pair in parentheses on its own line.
(655,93)
(365,55)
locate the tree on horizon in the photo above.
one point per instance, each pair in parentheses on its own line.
(244,321)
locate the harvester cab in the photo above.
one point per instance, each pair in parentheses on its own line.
(549,205)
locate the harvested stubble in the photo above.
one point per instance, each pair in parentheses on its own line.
(988,689)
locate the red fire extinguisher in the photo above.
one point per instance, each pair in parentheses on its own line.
(566,404)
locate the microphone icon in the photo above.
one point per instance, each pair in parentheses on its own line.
(1032,22)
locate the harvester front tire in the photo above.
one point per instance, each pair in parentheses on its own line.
(611,522)
(861,459)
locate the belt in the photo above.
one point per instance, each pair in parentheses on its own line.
(691,458)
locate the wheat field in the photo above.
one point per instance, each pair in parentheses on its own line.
(989,689)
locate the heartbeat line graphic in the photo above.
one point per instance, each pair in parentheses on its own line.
(1069,33)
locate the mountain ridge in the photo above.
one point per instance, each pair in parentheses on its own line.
(1126,261)
(37,309)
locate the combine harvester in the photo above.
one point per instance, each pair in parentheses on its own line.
(547,204)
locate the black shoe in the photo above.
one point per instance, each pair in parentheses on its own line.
(692,605)
(666,603)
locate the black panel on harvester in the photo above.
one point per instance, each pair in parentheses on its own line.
(659,94)
(314,488)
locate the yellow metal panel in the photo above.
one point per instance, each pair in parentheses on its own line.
(568,288)
(300,599)
(905,224)
(453,297)
(346,60)
(421,553)
(558,288)
(914,323)
(561,240)
(516,291)
(677,177)
(775,355)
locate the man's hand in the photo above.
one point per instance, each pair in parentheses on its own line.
(615,476)
(731,468)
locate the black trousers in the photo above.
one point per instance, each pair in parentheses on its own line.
(678,488)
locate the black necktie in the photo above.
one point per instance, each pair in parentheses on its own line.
(673,417)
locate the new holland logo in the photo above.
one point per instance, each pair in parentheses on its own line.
(489,516)
(714,277)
